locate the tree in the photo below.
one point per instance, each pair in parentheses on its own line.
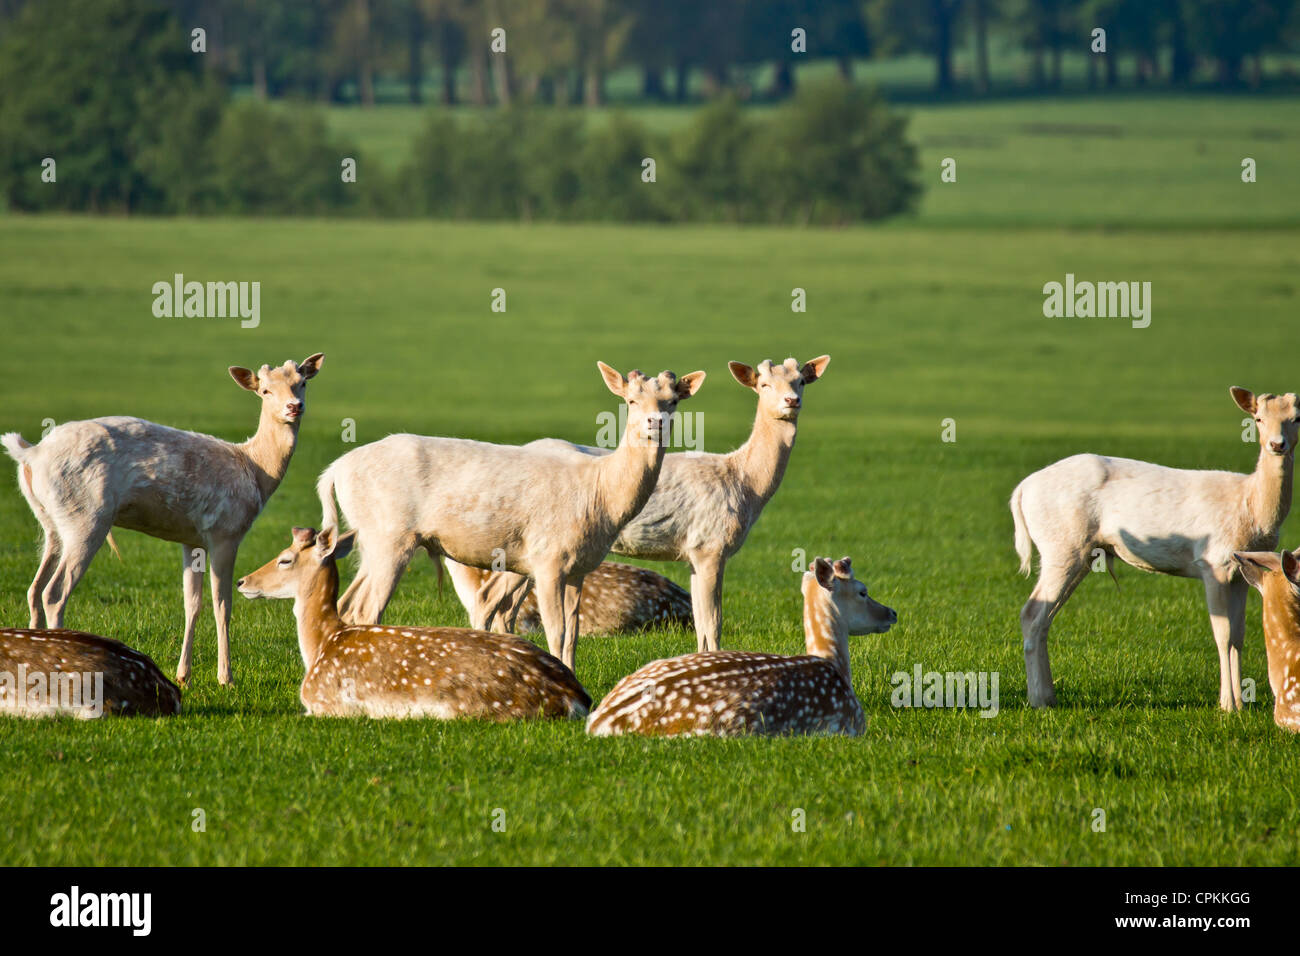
(931,26)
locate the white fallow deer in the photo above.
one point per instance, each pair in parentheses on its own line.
(1278,580)
(541,515)
(47,672)
(397,672)
(616,599)
(705,504)
(1167,520)
(85,478)
(733,693)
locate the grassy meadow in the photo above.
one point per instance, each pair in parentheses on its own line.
(931,318)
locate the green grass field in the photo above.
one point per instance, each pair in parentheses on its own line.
(926,320)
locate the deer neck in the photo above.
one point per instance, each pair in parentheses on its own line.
(762,459)
(628,476)
(316,609)
(1281,630)
(825,633)
(1269,493)
(269,452)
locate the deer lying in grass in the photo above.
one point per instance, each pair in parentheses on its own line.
(87,477)
(731,693)
(549,517)
(46,672)
(704,505)
(1278,581)
(616,599)
(377,671)
(1167,520)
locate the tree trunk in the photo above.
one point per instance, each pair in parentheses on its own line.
(478,71)
(414,57)
(1112,68)
(1180,68)
(259,77)
(593,92)
(783,79)
(365,71)
(942,45)
(681,81)
(845,63)
(982,81)
(652,84)
(450,61)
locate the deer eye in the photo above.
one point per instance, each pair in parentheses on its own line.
(284,562)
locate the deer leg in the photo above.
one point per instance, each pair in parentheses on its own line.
(192,582)
(1219,600)
(706,599)
(495,597)
(221,571)
(572,598)
(78,550)
(550,603)
(51,552)
(381,568)
(1056,582)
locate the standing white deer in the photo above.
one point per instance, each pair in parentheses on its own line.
(86,477)
(1168,520)
(542,515)
(704,505)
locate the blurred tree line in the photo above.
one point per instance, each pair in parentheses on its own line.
(562,51)
(109,92)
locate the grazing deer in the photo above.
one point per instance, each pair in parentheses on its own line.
(1278,580)
(731,693)
(704,505)
(1167,520)
(46,672)
(616,599)
(87,477)
(542,515)
(376,671)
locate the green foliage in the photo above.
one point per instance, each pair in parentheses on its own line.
(95,85)
(837,154)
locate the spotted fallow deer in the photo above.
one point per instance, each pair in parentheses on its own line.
(47,672)
(397,672)
(616,599)
(542,515)
(1278,580)
(87,477)
(733,693)
(704,505)
(1167,520)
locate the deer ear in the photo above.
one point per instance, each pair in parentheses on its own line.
(309,366)
(1255,564)
(825,573)
(343,546)
(1244,398)
(844,567)
(614,379)
(688,385)
(743,374)
(815,369)
(244,377)
(1291,566)
(305,537)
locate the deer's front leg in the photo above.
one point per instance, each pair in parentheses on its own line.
(1220,602)
(221,561)
(706,599)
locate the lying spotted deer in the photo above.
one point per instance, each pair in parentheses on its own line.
(732,693)
(1278,581)
(47,672)
(704,505)
(397,672)
(616,599)
(85,478)
(545,516)
(1167,520)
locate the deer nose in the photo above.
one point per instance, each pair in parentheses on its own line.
(1277,444)
(240,582)
(793,402)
